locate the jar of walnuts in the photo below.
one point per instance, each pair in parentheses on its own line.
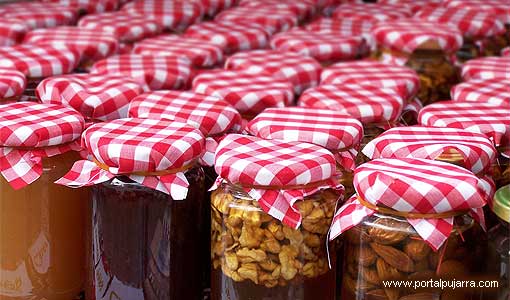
(395,233)
(269,228)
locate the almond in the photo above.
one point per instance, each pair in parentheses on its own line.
(371,276)
(389,231)
(378,294)
(387,272)
(394,257)
(366,256)
(417,249)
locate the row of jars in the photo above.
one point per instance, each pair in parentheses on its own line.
(143,224)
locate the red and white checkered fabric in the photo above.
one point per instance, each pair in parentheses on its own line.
(271,20)
(343,27)
(501,8)
(472,23)
(303,72)
(494,91)
(92,44)
(213,7)
(371,11)
(37,61)
(40,15)
(173,15)
(260,166)
(337,132)
(304,9)
(11,31)
(415,186)
(489,119)
(12,83)
(414,5)
(370,105)
(430,142)
(505,52)
(156,72)
(89,6)
(248,93)
(370,72)
(486,68)
(322,46)
(229,36)
(32,131)
(124,26)
(211,115)
(133,147)
(201,53)
(101,97)
(408,34)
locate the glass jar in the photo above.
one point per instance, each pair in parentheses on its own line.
(386,247)
(437,74)
(370,132)
(42,239)
(498,265)
(489,46)
(145,244)
(256,257)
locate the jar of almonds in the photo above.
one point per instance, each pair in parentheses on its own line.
(270,220)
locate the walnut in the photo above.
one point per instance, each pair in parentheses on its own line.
(268,265)
(311,240)
(287,257)
(277,230)
(294,236)
(221,200)
(249,271)
(251,236)
(271,245)
(305,208)
(231,261)
(252,217)
(246,255)
(310,270)
(307,253)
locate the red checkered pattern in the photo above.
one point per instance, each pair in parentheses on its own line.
(371,11)
(471,22)
(486,68)
(304,9)
(332,130)
(258,164)
(505,52)
(343,27)
(200,53)
(430,142)
(157,72)
(408,35)
(12,83)
(40,15)
(367,104)
(30,132)
(501,8)
(89,6)
(303,72)
(489,119)
(323,47)
(370,72)
(248,93)
(11,31)
(494,91)
(271,20)
(416,186)
(37,61)
(173,15)
(414,5)
(212,7)
(124,26)
(229,36)
(131,147)
(212,116)
(96,97)
(93,45)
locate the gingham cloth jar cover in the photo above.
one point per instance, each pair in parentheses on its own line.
(172,15)
(156,72)
(213,7)
(335,131)
(229,36)
(39,15)
(202,54)
(12,84)
(397,39)
(486,68)
(398,185)
(39,61)
(11,31)
(125,27)
(248,93)
(494,91)
(371,11)
(500,8)
(302,8)
(92,44)
(303,72)
(32,132)
(277,174)
(211,115)
(98,97)
(324,47)
(89,6)
(154,153)
(505,52)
